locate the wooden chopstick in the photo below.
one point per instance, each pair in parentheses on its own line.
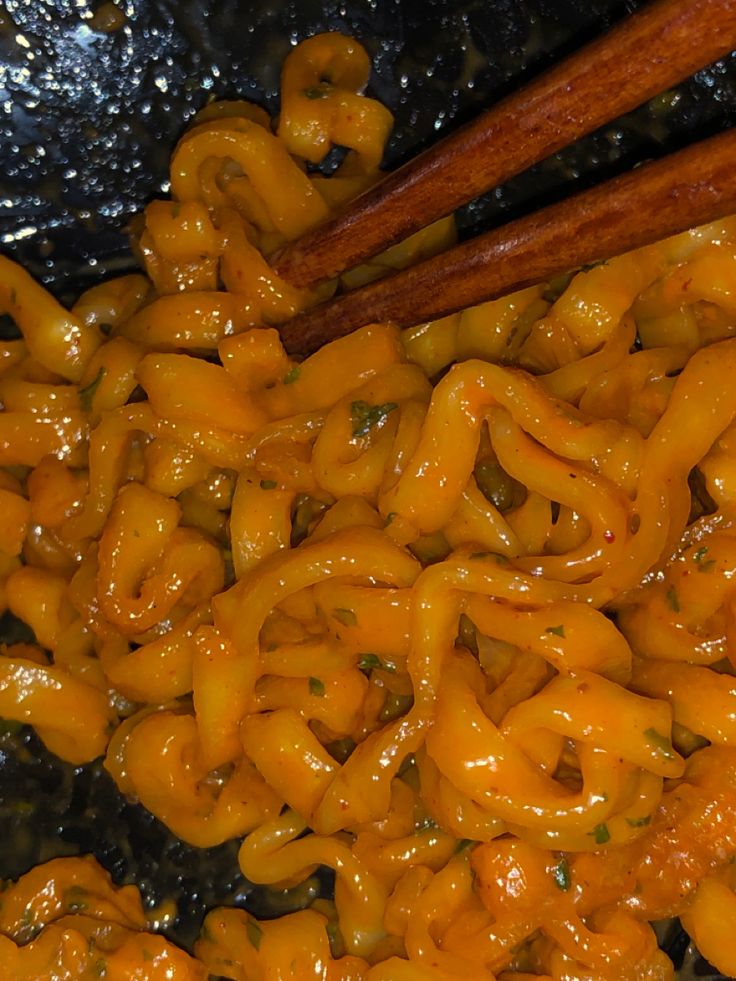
(645,54)
(685,189)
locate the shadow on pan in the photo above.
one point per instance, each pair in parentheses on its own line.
(89,118)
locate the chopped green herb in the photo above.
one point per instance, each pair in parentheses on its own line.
(557,631)
(346,617)
(255,933)
(268,484)
(427,824)
(292,374)
(76,899)
(698,557)
(661,743)
(639,822)
(87,394)
(316,687)
(100,967)
(561,873)
(463,844)
(600,834)
(672,600)
(320,91)
(389,518)
(365,417)
(370,662)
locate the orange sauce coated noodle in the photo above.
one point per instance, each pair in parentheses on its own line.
(450,613)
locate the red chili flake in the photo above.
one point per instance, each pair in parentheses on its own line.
(686,284)
(609,536)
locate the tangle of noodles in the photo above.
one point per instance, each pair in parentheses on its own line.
(451,613)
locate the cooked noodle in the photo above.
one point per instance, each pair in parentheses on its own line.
(440,611)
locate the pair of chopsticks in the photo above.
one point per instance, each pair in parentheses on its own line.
(644,55)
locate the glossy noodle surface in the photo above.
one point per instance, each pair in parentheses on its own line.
(449,613)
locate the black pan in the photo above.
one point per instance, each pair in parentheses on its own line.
(87,123)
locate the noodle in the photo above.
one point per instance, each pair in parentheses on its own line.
(440,612)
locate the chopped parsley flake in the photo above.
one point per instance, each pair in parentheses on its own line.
(321,91)
(316,687)
(292,374)
(601,834)
(365,416)
(346,617)
(76,899)
(370,662)
(268,484)
(561,873)
(639,822)
(672,600)
(558,631)
(255,934)
(698,557)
